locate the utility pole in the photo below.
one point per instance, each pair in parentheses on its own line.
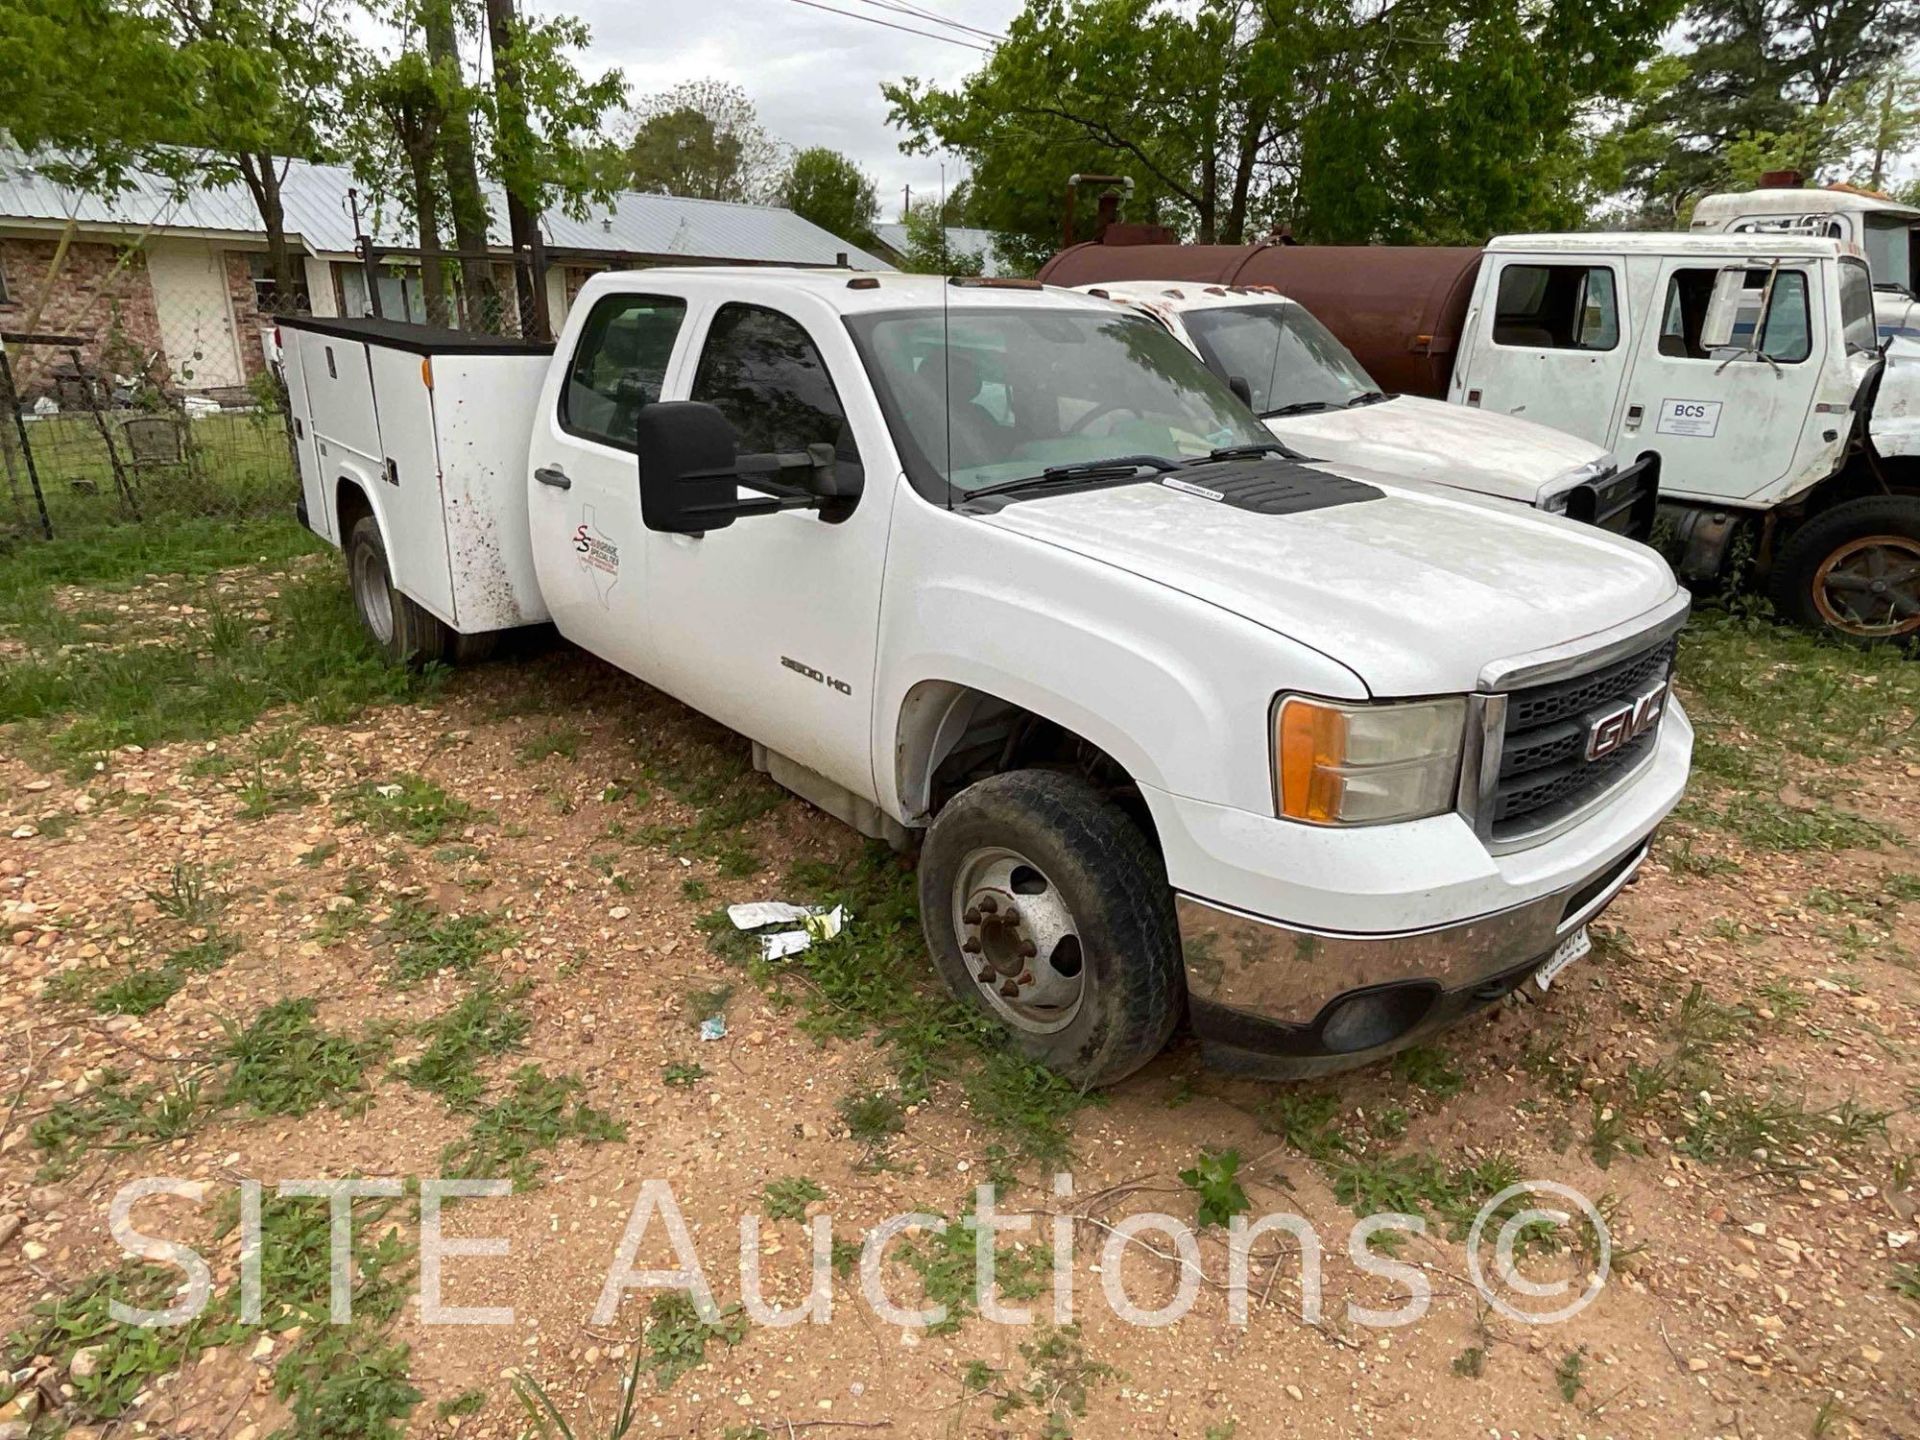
(516,144)
(906,202)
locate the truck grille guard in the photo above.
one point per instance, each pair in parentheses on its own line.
(1529,771)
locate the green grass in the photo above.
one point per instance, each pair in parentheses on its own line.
(1771,705)
(677,1338)
(125,555)
(1569,1376)
(140,992)
(682,1075)
(561,740)
(537,1114)
(424,942)
(1906,1281)
(284,1063)
(486,1022)
(208,681)
(946,1262)
(1424,1184)
(788,1199)
(116,1115)
(408,805)
(1428,1068)
(1214,1179)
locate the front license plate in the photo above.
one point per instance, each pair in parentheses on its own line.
(1568,951)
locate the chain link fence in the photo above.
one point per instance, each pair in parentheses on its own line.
(134,406)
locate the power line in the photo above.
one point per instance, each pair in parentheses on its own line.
(876,20)
(920,12)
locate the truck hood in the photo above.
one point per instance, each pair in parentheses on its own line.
(1453,445)
(1415,592)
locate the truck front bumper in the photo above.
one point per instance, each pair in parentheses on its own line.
(1390,932)
(1264,996)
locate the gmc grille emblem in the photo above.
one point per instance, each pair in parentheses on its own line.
(1608,730)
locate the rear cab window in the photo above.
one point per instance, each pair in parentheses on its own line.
(1557,307)
(619,365)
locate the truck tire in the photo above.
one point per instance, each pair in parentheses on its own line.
(1854,571)
(1046,906)
(409,634)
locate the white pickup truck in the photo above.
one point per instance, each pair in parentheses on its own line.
(1176,722)
(1314,395)
(1744,370)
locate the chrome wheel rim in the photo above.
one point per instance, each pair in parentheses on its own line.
(373,594)
(1019,940)
(1870,587)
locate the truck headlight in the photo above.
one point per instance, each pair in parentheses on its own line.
(1341,764)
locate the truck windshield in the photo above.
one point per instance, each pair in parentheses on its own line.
(1891,253)
(1856,309)
(978,396)
(1290,360)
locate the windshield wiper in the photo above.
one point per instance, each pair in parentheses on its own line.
(1298,407)
(1117,467)
(1248,452)
(1368,397)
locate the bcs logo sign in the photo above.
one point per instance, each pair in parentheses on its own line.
(1626,722)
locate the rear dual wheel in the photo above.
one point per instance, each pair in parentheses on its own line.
(1854,571)
(409,634)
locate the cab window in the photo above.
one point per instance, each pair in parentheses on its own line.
(1557,307)
(619,366)
(1720,314)
(763,372)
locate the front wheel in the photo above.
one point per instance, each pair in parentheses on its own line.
(1854,571)
(1047,907)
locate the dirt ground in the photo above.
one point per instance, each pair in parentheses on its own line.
(1730,1078)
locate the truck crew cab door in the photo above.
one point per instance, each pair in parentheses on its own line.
(583,499)
(1549,342)
(1723,384)
(769,624)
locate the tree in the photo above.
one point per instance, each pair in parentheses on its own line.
(1755,80)
(703,140)
(1409,120)
(203,92)
(834,193)
(535,131)
(930,249)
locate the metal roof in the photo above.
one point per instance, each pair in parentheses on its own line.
(319,215)
(960,238)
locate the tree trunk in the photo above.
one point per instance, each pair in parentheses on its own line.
(1235,230)
(262,174)
(426,210)
(516,143)
(466,202)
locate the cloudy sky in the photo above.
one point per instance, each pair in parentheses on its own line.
(814,76)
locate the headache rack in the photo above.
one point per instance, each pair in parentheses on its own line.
(1622,500)
(1551,737)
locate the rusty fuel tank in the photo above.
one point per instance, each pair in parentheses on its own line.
(1399,308)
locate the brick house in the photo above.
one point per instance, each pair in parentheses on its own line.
(177,288)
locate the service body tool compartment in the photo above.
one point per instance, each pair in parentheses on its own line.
(434,426)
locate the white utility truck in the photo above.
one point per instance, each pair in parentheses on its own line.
(1744,369)
(1886,232)
(1176,722)
(1313,394)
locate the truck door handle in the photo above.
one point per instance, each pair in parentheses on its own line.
(553,475)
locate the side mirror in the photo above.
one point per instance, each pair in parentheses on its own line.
(687,468)
(1241,389)
(691,473)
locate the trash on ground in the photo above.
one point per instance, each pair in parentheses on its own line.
(817,925)
(757,913)
(714,1027)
